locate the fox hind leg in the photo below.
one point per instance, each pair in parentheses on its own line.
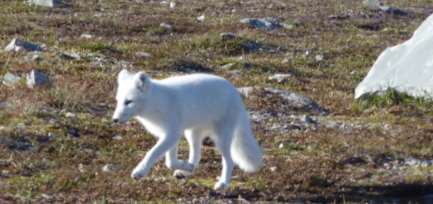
(195,139)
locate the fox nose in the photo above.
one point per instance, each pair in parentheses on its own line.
(115,120)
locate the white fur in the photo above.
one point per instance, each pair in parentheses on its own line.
(196,105)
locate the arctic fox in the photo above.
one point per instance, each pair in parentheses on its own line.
(196,105)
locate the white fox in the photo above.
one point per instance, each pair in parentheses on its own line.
(197,105)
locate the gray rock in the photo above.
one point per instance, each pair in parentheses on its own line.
(36,78)
(33,57)
(227,36)
(143,55)
(10,79)
(20,144)
(47,3)
(280,77)
(70,56)
(108,168)
(17,45)
(167,27)
(263,23)
(296,100)
(246,91)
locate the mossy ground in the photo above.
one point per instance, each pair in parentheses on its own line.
(324,165)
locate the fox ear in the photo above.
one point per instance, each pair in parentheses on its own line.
(123,76)
(141,81)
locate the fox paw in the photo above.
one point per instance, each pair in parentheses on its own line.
(182,174)
(137,174)
(221,186)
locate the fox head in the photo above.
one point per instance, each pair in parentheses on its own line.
(131,95)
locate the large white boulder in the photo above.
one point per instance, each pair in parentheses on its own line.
(407,67)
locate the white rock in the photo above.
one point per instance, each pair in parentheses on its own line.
(70,115)
(36,78)
(281,146)
(172,4)
(109,168)
(17,45)
(143,55)
(407,67)
(280,77)
(70,55)
(246,91)
(227,66)
(47,3)
(117,137)
(319,58)
(201,18)
(10,79)
(86,36)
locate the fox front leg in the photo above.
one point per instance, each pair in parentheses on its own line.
(163,145)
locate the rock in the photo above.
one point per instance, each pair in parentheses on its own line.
(308,120)
(10,79)
(17,45)
(34,57)
(227,36)
(246,91)
(407,67)
(108,168)
(396,11)
(43,138)
(227,66)
(36,78)
(70,56)
(143,55)
(296,101)
(273,168)
(46,196)
(47,3)
(280,77)
(70,115)
(168,28)
(81,168)
(281,146)
(117,137)
(4,105)
(319,58)
(86,36)
(172,4)
(20,144)
(74,132)
(201,18)
(376,5)
(372,4)
(263,23)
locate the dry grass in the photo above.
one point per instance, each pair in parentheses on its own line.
(323,165)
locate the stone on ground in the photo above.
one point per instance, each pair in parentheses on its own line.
(17,45)
(36,78)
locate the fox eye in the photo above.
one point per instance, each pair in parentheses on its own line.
(127,102)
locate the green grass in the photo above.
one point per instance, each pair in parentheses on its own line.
(392,97)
